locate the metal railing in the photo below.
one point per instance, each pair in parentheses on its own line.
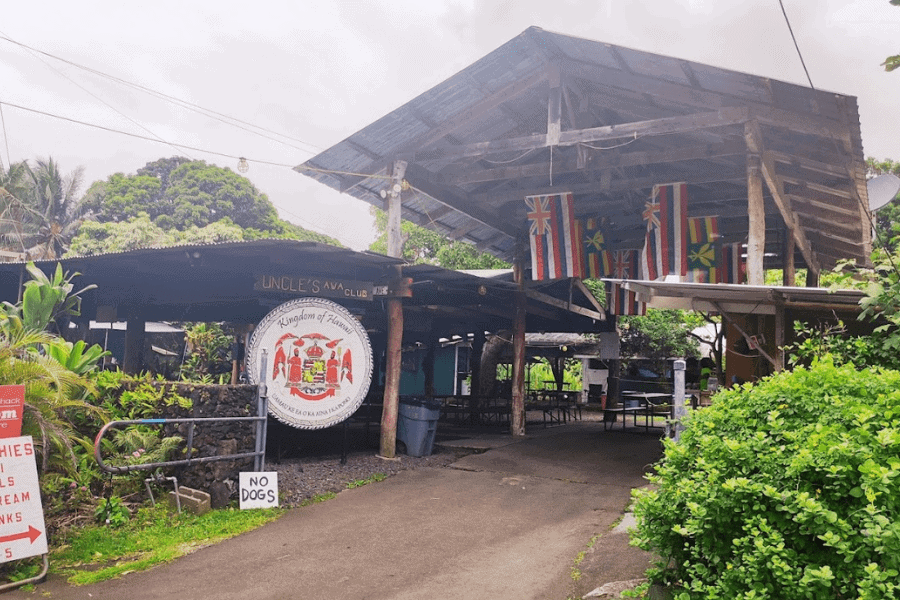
(258,454)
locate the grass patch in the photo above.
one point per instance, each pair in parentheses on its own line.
(362,482)
(318,498)
(153,536)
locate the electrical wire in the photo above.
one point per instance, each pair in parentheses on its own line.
(96,97)
(865,209)
(194,148)
(592,147)
(5,136)
(222,117)
(796,45)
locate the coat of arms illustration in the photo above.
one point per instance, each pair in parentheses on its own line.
(310,345)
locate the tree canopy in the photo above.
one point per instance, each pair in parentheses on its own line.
(177,194)
(892,62)
(421,245)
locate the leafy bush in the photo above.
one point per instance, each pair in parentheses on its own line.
(209,347)
(786,489)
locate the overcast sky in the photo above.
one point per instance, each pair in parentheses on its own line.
(318,71)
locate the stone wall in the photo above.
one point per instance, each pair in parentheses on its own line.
(219,479)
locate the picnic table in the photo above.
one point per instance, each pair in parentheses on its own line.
(650,405)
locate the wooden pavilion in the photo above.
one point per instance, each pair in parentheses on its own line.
(780,165)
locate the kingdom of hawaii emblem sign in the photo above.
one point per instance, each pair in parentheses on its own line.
(319,362)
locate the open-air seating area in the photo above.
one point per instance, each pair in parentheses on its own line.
(468,410)
(557,406)
(651,405)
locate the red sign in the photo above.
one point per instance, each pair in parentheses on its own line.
(12,403)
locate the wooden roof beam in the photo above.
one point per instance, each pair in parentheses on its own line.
(776,189)
(606,161)
(458,120)
(665,126)
(455,198)
(716,175)
(691,96)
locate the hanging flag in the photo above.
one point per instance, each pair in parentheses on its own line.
(649,255)
(556,250)
(666,216)
(624,264)
(593,239)
(623,302)
(704,264)
(734,265)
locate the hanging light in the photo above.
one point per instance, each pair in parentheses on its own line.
(243,166)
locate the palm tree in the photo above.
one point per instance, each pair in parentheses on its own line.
(15,215)
(54,198)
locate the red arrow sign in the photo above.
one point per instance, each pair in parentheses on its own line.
(32,534)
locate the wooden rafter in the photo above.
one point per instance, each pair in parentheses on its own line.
(665,126)
(421,179)
(602,162)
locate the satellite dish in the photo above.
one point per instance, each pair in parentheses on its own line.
(882,189)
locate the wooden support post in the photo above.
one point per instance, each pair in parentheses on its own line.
(517,419)
(812,278)
(394,210)
(133,361)
(554,106)
(756,210)
(392,378)
(779,337)
(475,362)
(395,322)
(428,367)
(790,271)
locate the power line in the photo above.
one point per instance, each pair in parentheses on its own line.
(232,156)
(865,209)
(5,135)
(796,45)
(194,148)
(96,97)
(222,117)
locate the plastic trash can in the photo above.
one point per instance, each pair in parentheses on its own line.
(417,424)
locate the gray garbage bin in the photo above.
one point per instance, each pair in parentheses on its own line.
(417,424)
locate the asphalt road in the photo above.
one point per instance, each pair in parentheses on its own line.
(506,523)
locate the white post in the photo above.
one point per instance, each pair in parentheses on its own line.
(678,398)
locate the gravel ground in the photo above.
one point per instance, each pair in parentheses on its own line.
(301,478)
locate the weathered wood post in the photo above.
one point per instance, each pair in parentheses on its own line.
(517,416)
(756,211)
(395,320)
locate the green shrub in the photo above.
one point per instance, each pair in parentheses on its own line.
(786,489)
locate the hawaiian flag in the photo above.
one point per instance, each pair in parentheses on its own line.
(704,263)
(665,248)
(556,250)
(734,265)
(594,241)
(623,302)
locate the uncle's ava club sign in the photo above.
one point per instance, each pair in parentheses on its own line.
(319,362)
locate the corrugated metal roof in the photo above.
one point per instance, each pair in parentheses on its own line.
(464,187)
(748,299)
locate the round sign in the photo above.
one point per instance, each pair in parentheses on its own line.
(319,362)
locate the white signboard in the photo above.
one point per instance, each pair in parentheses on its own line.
(22,531)
(258,489)
(319,362)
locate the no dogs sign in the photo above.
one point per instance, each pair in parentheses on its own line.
(258,490)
